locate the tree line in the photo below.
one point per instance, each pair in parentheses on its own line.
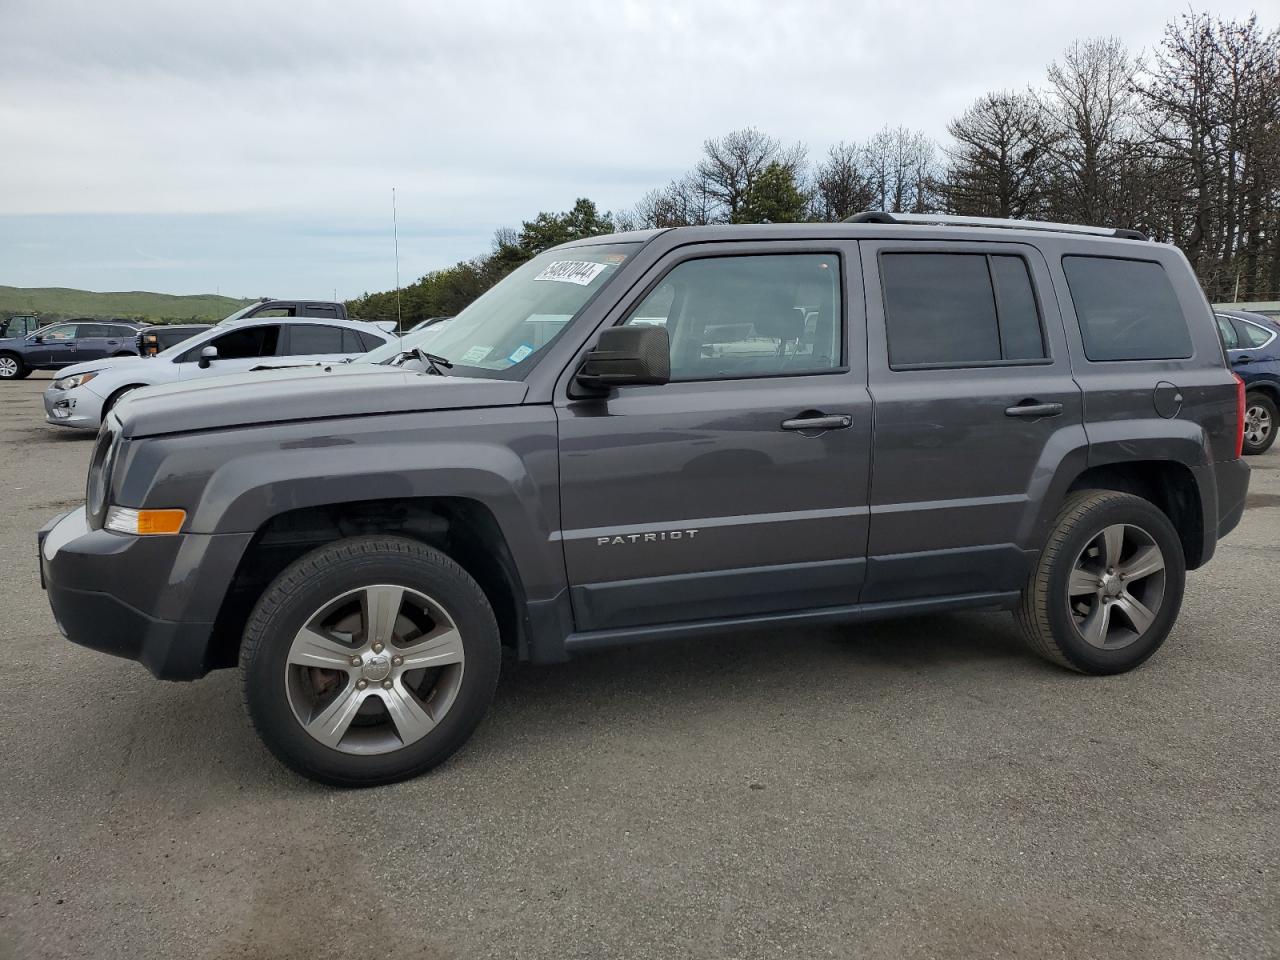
(1181,142)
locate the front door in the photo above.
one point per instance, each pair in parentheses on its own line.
(239,349)
(57,346)
(972,383)
(740,487)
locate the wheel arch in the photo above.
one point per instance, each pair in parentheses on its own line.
(463,528)
(1170,485)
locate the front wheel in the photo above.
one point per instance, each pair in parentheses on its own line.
(1260,416)
(12,367)
(1108,585)
(369,660)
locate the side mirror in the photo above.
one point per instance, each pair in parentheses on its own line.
(37,339)
(207,356)
(627,356)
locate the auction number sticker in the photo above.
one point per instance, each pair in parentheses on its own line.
(475,354)
(581,272)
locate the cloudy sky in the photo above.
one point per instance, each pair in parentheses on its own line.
(251,147)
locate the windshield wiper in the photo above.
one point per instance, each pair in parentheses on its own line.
(436,364)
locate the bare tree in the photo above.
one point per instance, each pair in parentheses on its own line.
(1091,111)
(840,183)
(730,165)
(1000,158)
(902,170)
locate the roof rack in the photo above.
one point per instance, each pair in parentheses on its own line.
(880,216)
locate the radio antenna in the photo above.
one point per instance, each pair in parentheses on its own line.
(395,232)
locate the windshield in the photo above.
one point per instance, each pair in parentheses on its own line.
(518,316)
(240,313)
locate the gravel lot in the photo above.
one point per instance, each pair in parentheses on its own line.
(923,788)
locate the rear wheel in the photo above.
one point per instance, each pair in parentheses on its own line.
(12,367)
(1107,588)
(1260,421)
(369,660)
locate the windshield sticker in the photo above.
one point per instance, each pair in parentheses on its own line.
(581,272)
(475,354)
(520,352)
(614,257)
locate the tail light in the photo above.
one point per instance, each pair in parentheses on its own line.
(1239,416)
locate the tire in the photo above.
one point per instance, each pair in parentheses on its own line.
(123,353)
(12,367)
(112,400)
(1261,419)
(333,591)
(1056,622)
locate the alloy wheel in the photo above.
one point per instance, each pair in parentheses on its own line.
(8,368)
(375,669)
(1257,425)
(1116,586)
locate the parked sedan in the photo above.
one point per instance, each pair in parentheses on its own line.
(1252,342)
(84,394)
(64,344)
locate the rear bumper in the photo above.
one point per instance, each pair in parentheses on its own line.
(150,599)
(1233,489)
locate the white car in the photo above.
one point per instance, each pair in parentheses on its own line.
(83,394)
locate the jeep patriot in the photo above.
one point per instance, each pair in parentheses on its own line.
(661,434)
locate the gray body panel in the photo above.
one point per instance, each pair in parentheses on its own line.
(932,498)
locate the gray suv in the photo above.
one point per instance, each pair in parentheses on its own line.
(669,434)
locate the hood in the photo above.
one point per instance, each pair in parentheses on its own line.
(92,366)
(304,393)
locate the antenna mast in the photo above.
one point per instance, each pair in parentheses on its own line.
(395,231)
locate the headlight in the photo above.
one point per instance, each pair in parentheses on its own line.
(144,523)
(67,383)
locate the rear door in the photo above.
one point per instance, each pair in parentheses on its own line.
(709,496)
(972,386)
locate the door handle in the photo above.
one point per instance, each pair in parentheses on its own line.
(837,421)
(1029,408)
(1243,360)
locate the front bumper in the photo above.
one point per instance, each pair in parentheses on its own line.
(150,599)
(63,408)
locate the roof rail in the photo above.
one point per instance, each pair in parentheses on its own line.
(880,216)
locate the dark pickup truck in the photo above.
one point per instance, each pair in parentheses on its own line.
(669,434)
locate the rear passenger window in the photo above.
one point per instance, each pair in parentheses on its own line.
(1127,309)
(306,339)
(959,309)
(1228,333)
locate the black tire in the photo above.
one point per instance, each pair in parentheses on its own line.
(1045,612)
(123,353)
(115,398)
(1262,419)
(13,367)
(324,575)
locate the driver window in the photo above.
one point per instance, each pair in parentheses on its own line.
(749,316)
(245,343)
(67,332)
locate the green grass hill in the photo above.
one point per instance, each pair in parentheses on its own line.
(54,303)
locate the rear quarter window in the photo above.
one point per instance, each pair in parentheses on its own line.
(1127,309)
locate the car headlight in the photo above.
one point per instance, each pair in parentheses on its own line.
(67,383)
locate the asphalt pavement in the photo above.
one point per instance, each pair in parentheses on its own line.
(923,788)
